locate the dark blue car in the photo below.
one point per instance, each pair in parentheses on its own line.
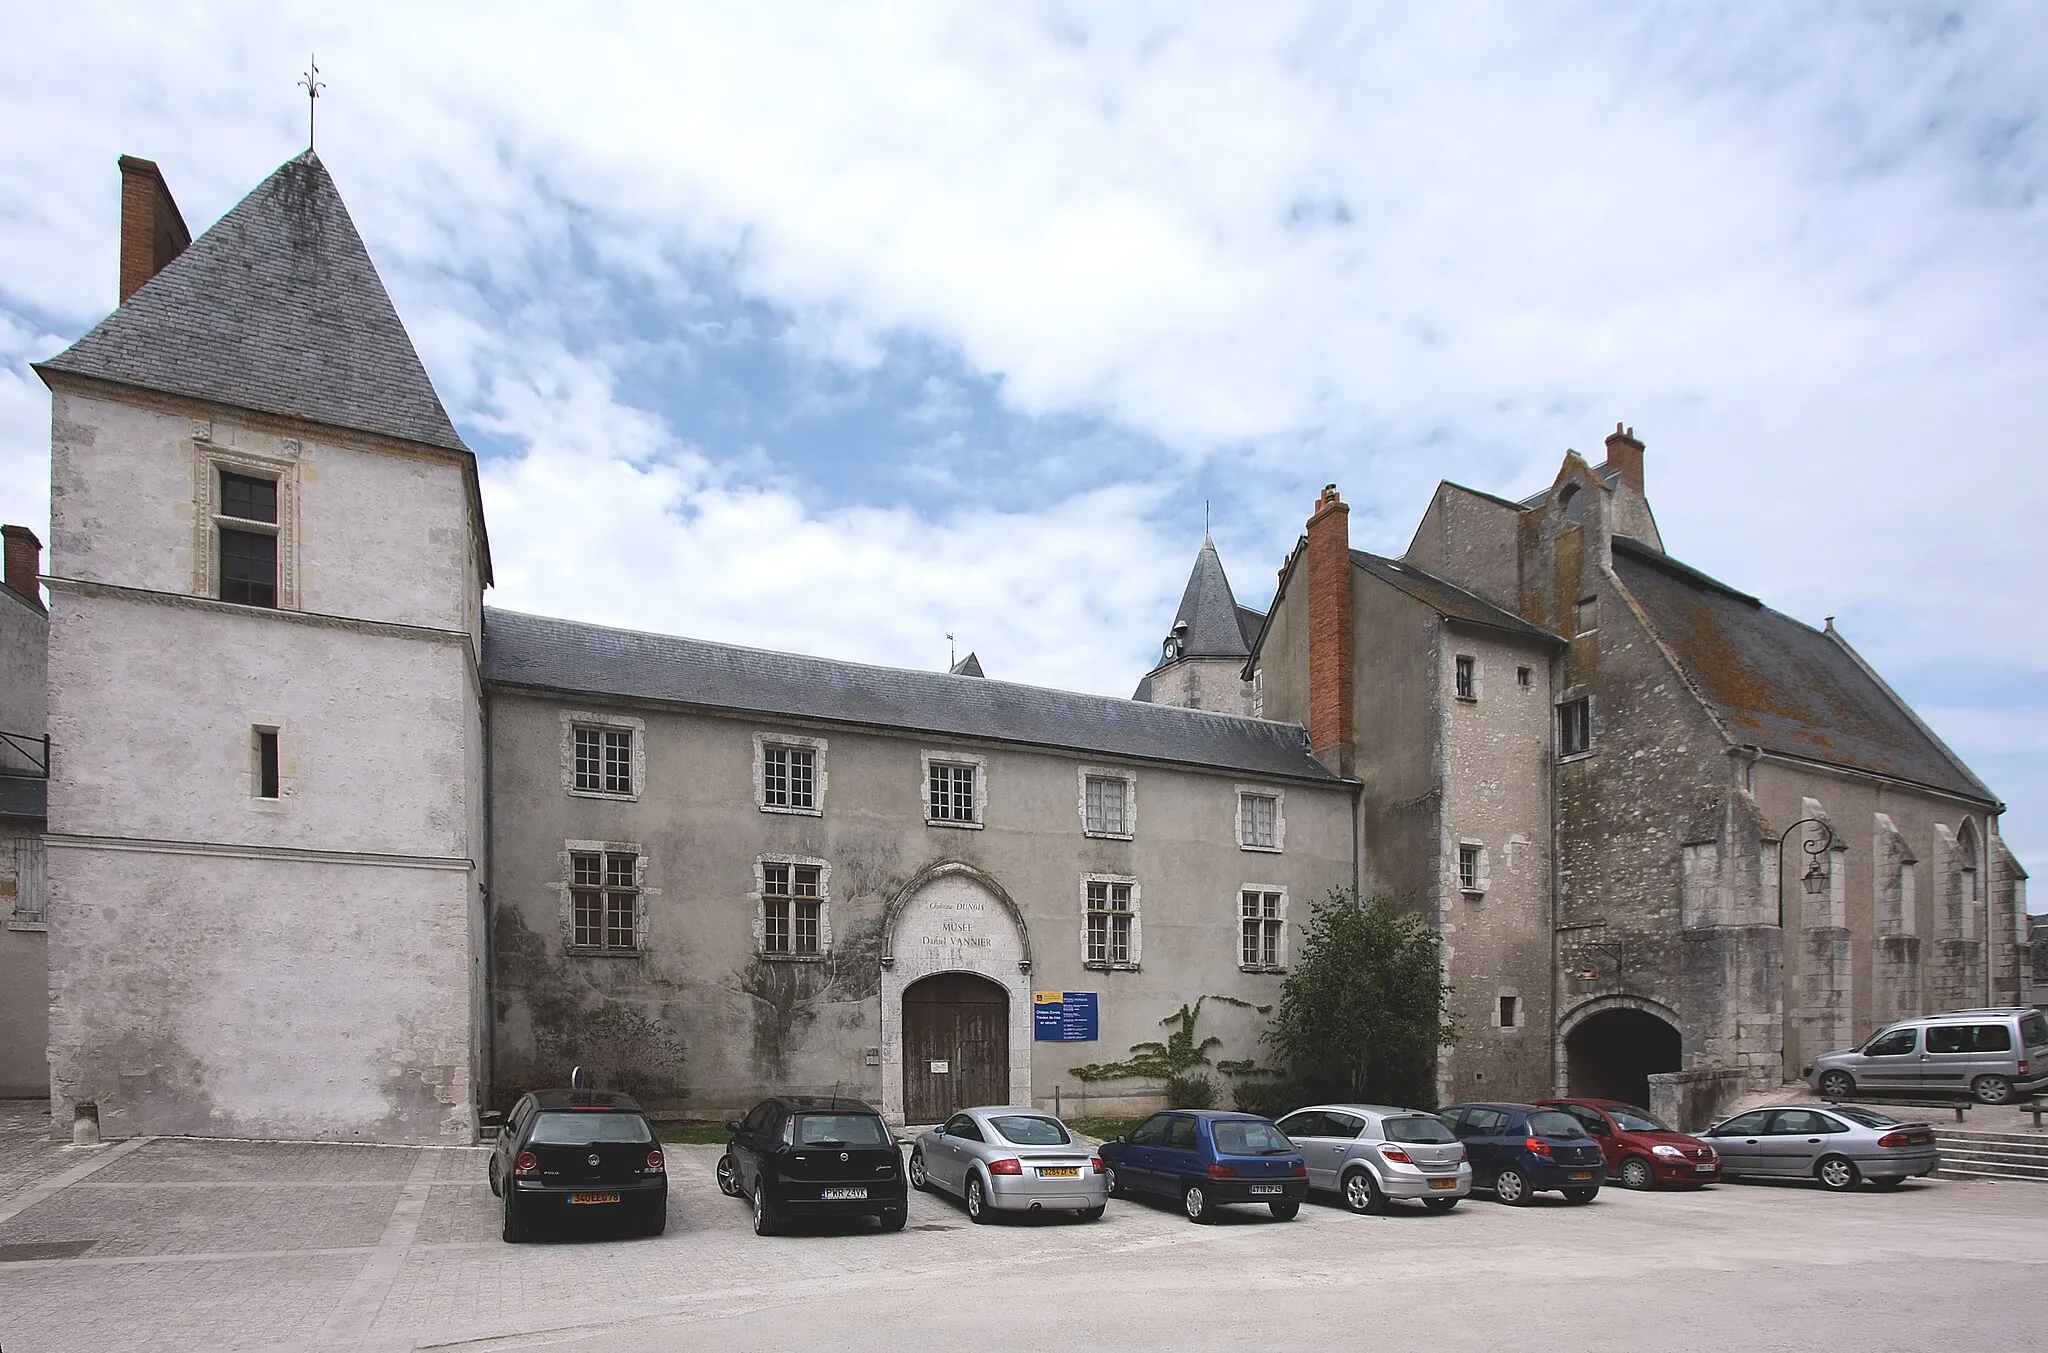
(1204,1157)
(1520,1150)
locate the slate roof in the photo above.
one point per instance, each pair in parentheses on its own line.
(277,309)
(1215,628)
(540,653)
(1249,622)
(1447,598)
(968,666)
(1781,685)
(1608,476)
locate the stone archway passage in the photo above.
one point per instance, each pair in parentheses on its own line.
(956,1046)
(1613,1054)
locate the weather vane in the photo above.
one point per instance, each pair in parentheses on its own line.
(312,84)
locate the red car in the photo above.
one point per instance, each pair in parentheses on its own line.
(1640,1151)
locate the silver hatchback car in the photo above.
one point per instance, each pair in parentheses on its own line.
(1838,1144)
(1368,1154)
(1011,1160)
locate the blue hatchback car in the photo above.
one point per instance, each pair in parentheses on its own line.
(1520,1150)
(1204,1158)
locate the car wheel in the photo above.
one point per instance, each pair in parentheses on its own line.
(1889,1183)
(1511,1188)
(1285,1209)
(1109,1175)
(764,1211)
(918,1179)
(1837,1174)
(728,1176)
(1837,1085)
(1362,1193)
(1195,1203)
(1092,1213)
(977,1202)
(893,1219)
(1991,1089)
(515,1225)
(1581,1196)
(496,1192)
(1635,1173)
(1439,1204)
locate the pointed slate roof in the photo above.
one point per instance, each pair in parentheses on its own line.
(277,309)
(1214,626)
(968,666)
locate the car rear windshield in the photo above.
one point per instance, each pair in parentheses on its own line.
(1021,1129)
(1236,1137)
(1867,1117)
(1636,1120)
(2034,1028)
(840,1129)
(583,1127)
(1419,1129)
(1546,1123)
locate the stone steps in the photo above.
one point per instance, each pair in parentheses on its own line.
(1993,1155)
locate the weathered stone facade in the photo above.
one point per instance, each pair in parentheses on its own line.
(24,772)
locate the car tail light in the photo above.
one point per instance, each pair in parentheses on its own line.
(1095,1165)
(655,1165)
(1300,1170)
(1537,1146)
(528,1163)
(1896,1139)
(1222,1172)
(2023,1066)
(1396,1154)
(1008,1165)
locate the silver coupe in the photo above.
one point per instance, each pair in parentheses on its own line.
(1367,1154)
(1010,1160)
(1840,1145)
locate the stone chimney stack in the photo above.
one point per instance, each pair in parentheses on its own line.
(1328,568)
(152,230)
(1625,453)
(24,562)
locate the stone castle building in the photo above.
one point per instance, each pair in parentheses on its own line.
(334,850)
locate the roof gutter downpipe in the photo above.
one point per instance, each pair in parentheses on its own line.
(1357,845)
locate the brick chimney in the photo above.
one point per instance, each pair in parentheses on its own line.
(152,231)
(24,562)
(1625,453)
(1328,566)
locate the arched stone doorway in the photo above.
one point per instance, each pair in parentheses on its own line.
(1611,1054)
(955,957)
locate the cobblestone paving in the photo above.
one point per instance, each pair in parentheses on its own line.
(205,1245)
(27,1155)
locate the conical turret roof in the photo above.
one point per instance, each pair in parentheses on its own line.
(277,309)
(1211,614)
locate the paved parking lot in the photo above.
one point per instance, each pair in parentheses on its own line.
(204,1245)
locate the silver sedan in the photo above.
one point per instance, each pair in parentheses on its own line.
(1368,1154)
(1011,1160)
(1838,1144)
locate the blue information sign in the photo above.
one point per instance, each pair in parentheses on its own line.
(1063,1016)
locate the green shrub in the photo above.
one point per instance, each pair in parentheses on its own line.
(1194,1091)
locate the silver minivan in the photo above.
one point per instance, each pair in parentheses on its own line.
(1993,1054)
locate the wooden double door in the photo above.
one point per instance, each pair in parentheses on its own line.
(956,1046)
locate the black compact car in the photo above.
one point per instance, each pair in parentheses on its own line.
(814,1157)
(579,1153)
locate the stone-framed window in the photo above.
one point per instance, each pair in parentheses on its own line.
(789,774)
(1110,931)
(1109,803)
(268,784)
(268,780)
(1522,678)
(246,528)
(1586,615)
(1575,727)
(1465,676)
(26,890)
(955,789)
(1261,818)
(792,908)
(1472,880)
(604,756)
(604,898)
(1262,928)
(1508,1012)
(1258,692)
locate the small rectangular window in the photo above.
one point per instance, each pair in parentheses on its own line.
(266,763)
(788,777)
(1468,868)
(604,760)
(1574,727)
(950,793)
(1586,616)
(1106,802)
(1260,929)
(1468,679)
(1510,1011)
(604,900)
(248,568)
(791,910)
(1522,677)
(1109,922)
(247,498)
(1258,820)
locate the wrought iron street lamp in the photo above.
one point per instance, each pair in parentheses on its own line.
(1819,843)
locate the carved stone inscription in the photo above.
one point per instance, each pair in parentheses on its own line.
(954,926)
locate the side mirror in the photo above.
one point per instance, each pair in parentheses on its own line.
(733,1127)
(939,1131)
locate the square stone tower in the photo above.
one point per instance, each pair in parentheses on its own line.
(266,808)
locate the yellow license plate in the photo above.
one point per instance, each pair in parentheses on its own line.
(1582,1174)
(1059,1172)
(577,1199)
(1443,1183)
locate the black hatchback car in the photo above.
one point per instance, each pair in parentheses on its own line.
(814,1157)
(577,1153)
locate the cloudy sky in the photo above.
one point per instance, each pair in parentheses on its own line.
(841,328)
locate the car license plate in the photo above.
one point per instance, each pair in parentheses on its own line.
(1059,1172)
(578,1199)
(1582,1174)
(1443,1183)
(1263,1189)
(1703,1169)
(844,1195)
